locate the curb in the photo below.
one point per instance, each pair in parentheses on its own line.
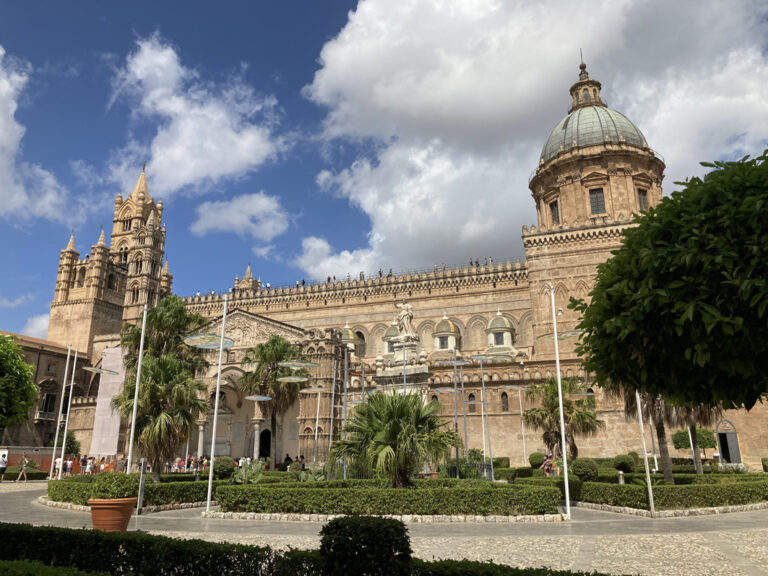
(672,513)
(406,518)
(145,510)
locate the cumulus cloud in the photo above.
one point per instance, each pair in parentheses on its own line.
(459,97)
(8,303)
(259,216)
(28,190)
(204,132)
(36,326)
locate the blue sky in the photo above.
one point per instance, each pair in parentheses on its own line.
(326,138)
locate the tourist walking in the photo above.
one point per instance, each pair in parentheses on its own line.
(23,468)
(3,466)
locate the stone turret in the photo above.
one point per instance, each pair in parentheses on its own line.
(65,277)
(166,281)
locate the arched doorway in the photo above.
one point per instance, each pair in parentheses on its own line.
(728,442)
(265,444)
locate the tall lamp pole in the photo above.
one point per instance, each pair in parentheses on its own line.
(136,391)
(560,400)
(69,409)
(61,410)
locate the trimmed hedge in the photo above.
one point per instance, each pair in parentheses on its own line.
(574,484)
(502,462)
(625,463)
(472,568)
(628,495)
(154,494)
(586,470)
(709,495)
(31,475)
(764,462)
(27,568)
(536,459)
(125,553)
(498,499)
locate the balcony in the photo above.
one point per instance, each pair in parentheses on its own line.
(41,416)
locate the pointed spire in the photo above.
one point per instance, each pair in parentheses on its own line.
(165,267)
(101,241)
(248,275)
(151,220)
(71,243)
(141,187)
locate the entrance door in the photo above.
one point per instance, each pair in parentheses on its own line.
(729,447)
(265,444)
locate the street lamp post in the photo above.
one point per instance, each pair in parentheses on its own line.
(456,363)
(564,449)
(645,453)
(136,391)
(208,342)
(254,399)
(69,410)
(484,409)
(61,410)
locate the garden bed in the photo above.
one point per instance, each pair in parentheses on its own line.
(78,492)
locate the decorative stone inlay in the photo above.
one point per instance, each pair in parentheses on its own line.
(406,518)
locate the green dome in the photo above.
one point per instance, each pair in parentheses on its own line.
(445,328)
(499,324)
(392,332)
(591,125)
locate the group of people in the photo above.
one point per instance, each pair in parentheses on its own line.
(23,464)
(88,466)
(299,460)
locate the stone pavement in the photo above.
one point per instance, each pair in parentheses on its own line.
(731,544)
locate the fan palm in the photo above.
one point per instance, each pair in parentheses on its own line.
(263,379)
(662,415)
(579,415)
(170,400)
(395,434)
(699,415)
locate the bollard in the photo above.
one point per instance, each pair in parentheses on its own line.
(621,477)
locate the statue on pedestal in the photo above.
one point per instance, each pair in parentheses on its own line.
(403,319)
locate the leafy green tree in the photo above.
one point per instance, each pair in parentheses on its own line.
(265,358)
(681,309)
(705,438)
(18,391)
(395,434)
(72,446)
(170,401)
(579,415)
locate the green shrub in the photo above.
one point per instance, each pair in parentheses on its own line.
(624,463)
(628,495)
(586,470)
(536,459)
(472,568)
(765,464)
(130,553)
(490,499)
(65,491)
(162,493)
(635,457)
(31,475)
(26,568)
(710,495)
(181,477)
(115,485)
(365,546)
(223,468)
(502,462)
(524,472)
(574,484)
(81,479)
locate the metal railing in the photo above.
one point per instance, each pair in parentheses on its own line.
(40,415)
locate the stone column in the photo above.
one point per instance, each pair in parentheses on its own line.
(200,438)
(256,438)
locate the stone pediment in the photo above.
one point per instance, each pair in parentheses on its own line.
(594,178)
(248,329)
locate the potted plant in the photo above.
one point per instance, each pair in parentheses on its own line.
(113,499)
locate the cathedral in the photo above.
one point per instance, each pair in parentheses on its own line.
(470,338)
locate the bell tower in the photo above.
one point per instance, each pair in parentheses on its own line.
(138,246)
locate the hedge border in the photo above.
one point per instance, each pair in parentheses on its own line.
(405,518)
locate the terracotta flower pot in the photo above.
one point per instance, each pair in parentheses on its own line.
(113,514)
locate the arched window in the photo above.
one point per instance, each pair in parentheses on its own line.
(591,398)
(434,398)
(151,297)
(142,239)
(81,278)
(123,254)
(585,95)
(360,348)
(138,264)
(126,225)
(153,267)
(134,295)
(594,93)
(471,402)
(504,402)
(111,282)
(390,347)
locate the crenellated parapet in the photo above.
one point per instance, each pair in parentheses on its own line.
(384,287)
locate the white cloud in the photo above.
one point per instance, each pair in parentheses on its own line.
(458,98)
(257,215)
(36,326)
(28,190)
(205,132)
(8,303)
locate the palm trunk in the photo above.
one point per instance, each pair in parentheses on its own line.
(695,450)
(155,470)
(273,447)
(666,461)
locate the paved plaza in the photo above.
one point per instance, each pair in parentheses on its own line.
(731,544)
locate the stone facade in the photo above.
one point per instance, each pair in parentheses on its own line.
(595,172)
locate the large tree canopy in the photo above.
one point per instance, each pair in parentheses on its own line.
(681,310)
(17,390)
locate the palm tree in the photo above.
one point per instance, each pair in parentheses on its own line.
(579,415)
(167,325)
(699,415)
(262,379)
(395,434)
(170,400)
(662,415)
